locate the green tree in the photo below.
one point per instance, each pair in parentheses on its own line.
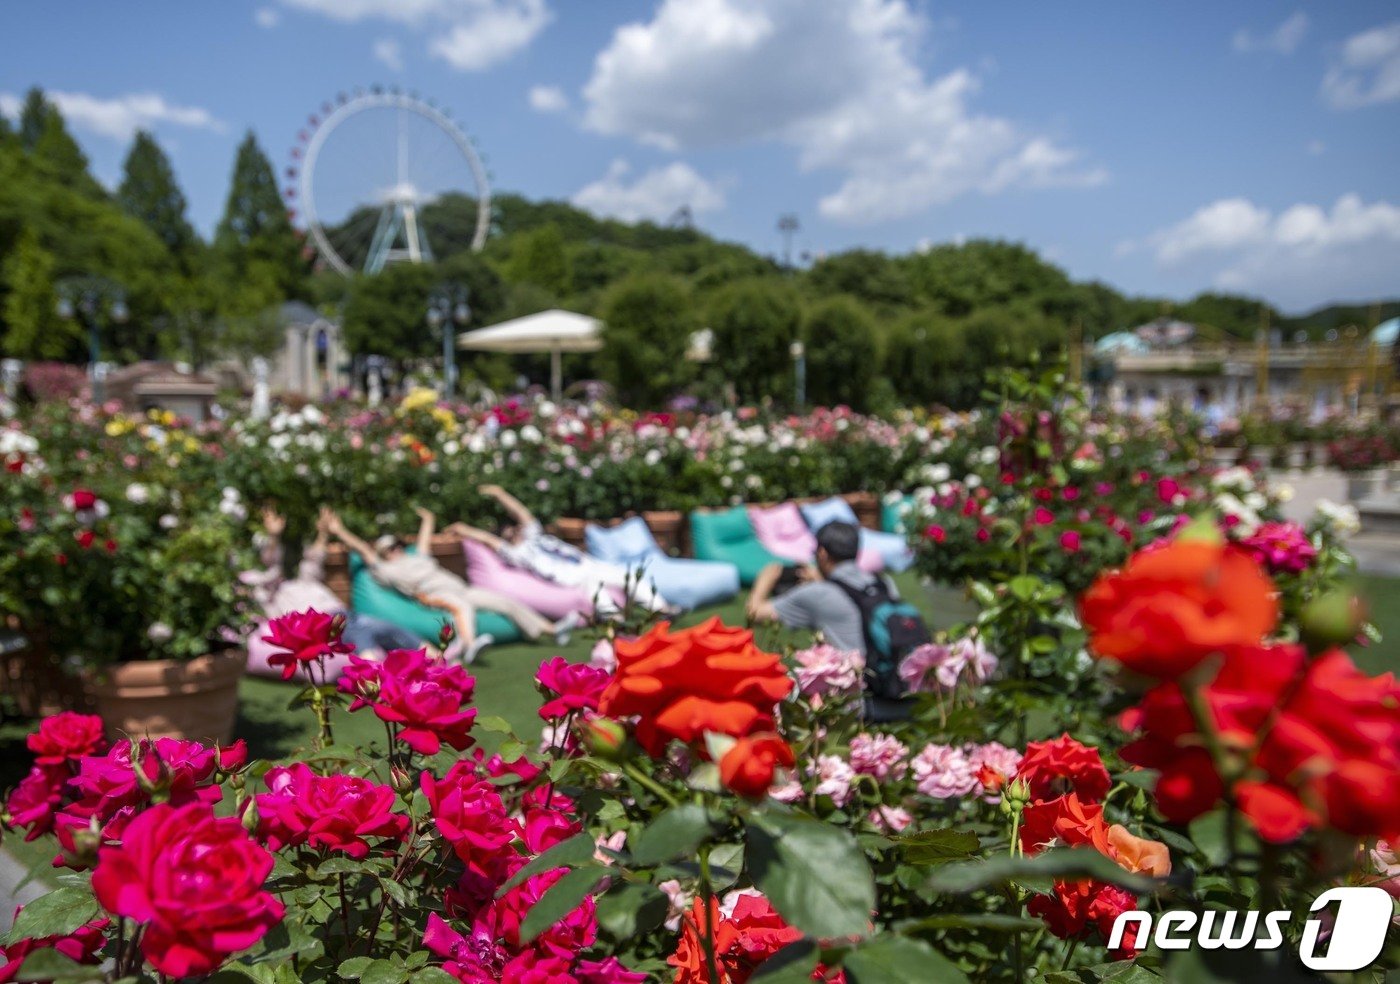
(255,239)
(386,312)
(33,117)
(960,279)
(540,257)
(841,353)
(755,323)
(923,356)
(33,329)
(647,323)
(58,155)
(150,193)
(864,273)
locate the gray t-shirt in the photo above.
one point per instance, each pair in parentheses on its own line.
(823,606)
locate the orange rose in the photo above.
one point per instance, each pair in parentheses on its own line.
(748,767)
(1138,854)
(1173,605)
(710,677)
(1063,822)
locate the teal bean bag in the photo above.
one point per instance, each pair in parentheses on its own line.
(372,598)
(894,514)
(728,536)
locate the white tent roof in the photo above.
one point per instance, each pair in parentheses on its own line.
(548,331)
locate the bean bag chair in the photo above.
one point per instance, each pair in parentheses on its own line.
(259,652)
(486,569)
(784,532)
(895,512)
(891,547)
(369,596)
(683,582)
(728,536)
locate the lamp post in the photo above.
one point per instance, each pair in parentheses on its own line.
(799,358)
(448,309)
(89,300)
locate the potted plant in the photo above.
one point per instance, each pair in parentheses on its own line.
(127,577)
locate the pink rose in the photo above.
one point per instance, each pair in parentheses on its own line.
(891,819)
(336,812)
(183,770)
(575,687)
(471,817)
(944,772)
(834,777)
(545,828)
(194,880)
(994,765)
(827,671)
(423,696)
(304,638)
(34,803)
(66,736)
(882,756)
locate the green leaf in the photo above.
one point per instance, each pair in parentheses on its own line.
(433,975)
(631,908)
(563,897)
(354,967)
(890,959)
(566,854)
(383,972)
(793,964)
(971,920)
(1037,872)
(58,913)
(50,965)
(813,873)
(929,847)
(491,722)
(677,832)
(1208,832)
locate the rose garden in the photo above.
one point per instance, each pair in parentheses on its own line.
(1143,690)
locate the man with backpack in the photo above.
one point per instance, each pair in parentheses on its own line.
(852,609)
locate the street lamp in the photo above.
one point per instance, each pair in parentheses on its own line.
(448,309)
(89,300)
(799,358)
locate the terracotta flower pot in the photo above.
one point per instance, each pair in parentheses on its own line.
(867,508)
(337,568)
(569,529)
(448,552)
(194,699)
(667,527)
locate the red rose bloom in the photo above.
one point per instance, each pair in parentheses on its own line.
(304,637)
(66,736)
(743,941)
(34,803)
(337,812)
(84,499)
(194,880)
(574,687)
(422,695)
(80,946)
(749,766)
(1063,765)
(1175,604)
(709,677)
(471,817)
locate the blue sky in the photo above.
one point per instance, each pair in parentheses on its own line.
(1165,148)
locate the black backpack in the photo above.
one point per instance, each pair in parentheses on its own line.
(892,629)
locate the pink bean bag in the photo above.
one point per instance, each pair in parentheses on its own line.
(486,569)
(785,534)
(259,651)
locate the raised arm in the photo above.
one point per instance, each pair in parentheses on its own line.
(509,503)
(759,607)
(472,533)
(337,529)
(427,523)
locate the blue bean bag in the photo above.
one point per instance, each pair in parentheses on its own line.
(682,582)
(892,547)
(728,536)
(372,598)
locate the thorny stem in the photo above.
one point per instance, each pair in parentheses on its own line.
(650,783)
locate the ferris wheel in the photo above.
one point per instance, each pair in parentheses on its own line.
(365,167)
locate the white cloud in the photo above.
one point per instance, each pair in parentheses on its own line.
(1301,255)
(389,53)
(654,195)
(1367,70)
(838,81)
(548,99)
(120,116)
(1283,40)
(470,35)
(266,18)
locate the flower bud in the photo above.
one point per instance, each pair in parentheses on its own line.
(604,738)
(1331,619)
(1015,795)
(156,786)
(401,780)
(250,817)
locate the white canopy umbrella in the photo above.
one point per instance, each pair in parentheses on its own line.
(555,332)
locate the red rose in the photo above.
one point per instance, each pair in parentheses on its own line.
(471,817)
(336,812)
(66,736)
(544,828)
(1173,605)
(80,946)
(742,941)
(422,695)
(85,538)
(304,637)
(35,802)
(195,880)
(709,677)
(84,499)
(749,766)
(1063,765)
(575,687)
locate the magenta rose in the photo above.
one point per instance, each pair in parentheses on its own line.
(80,946)
(304,638)
(472,818)
(337,812)
(575,687)
(66,736)
(182,770)
(543,829)
(195,880)
(423,695)
(34,803)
